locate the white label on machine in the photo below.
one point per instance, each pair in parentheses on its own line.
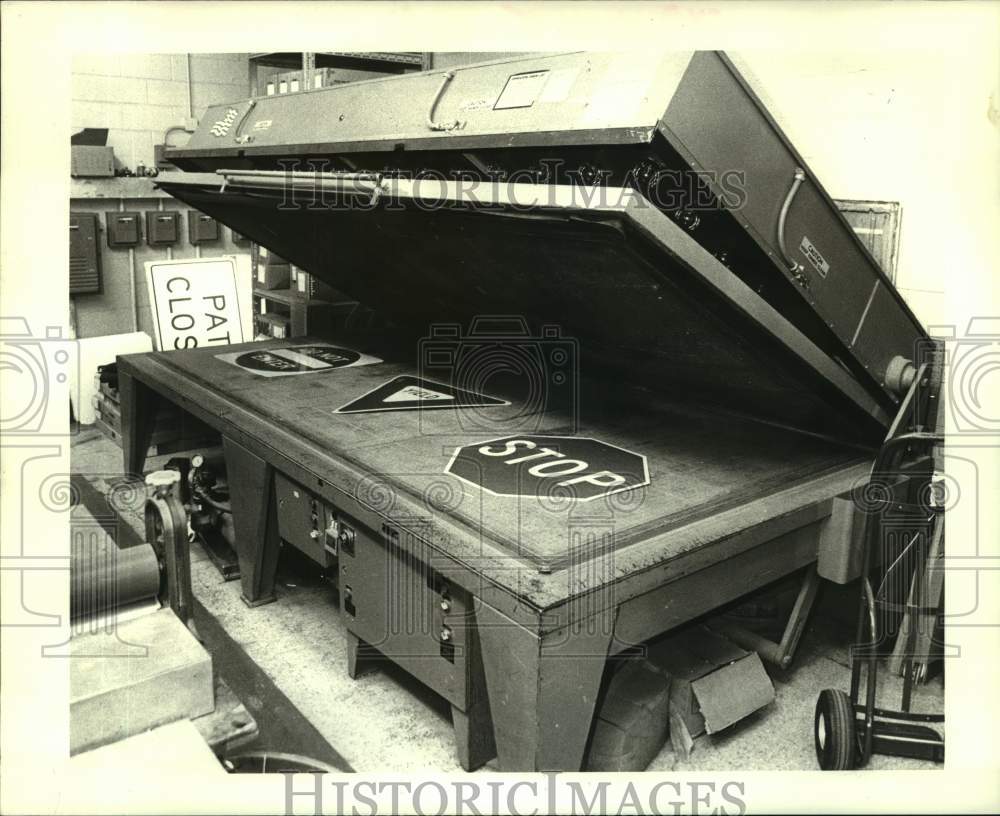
(196,302)
(521,90)
(814,257)
(302,359)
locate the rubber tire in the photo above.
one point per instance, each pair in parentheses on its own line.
(834,731)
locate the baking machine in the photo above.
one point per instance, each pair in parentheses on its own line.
(636,364)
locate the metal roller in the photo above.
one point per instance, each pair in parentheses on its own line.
(104,578)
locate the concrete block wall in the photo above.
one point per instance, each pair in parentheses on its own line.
(110,311)
(138,96)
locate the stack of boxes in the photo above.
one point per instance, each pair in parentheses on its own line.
(293,81)
(310,287)
(271,273)
(287,299)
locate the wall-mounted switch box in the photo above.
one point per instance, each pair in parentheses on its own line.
(123,228)
(202,229)
(163,227)
(84,257)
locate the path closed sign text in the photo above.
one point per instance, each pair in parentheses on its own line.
(196,303)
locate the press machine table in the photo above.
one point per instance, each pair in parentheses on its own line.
(535,591)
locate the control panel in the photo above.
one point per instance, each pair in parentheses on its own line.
(393,599)
(84,256)
(306,522)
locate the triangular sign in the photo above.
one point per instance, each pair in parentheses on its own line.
(408,393)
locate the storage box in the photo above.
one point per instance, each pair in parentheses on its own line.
(265,255)
(324,78)
(273,324)
(88,161)
(311,287)
(715,683)
(273,276)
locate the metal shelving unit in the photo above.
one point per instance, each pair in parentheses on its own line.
(385,62)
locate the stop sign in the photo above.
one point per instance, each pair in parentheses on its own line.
(572,466)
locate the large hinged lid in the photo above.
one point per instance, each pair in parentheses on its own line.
(640,296)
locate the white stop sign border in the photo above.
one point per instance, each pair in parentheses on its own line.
(620,489)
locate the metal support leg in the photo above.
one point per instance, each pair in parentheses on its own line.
(780,654)
(361,657)
(251,492)
(138,407)
(474,739)
(542,690)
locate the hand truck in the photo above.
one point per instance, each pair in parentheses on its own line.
(848,730)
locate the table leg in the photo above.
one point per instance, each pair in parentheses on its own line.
(138,409)
(542,690)
(474,735)
(251,494)
(361,657)
(474,738)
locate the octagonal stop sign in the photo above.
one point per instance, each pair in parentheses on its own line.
(572,466)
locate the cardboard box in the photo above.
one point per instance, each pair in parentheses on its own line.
(87,161)
(312,287)
(715,683)
(324,78)
(273,276)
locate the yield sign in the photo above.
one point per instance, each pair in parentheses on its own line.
(409,393)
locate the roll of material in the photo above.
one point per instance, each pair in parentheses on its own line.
(104,578)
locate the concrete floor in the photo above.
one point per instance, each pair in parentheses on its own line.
(387,721)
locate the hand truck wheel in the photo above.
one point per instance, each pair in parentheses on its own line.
(834,730)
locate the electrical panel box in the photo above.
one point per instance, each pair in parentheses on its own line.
(202,229)
(84,257)
(163,227)
(123,228)
(305,522)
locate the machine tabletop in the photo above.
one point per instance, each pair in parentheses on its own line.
(711,476)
